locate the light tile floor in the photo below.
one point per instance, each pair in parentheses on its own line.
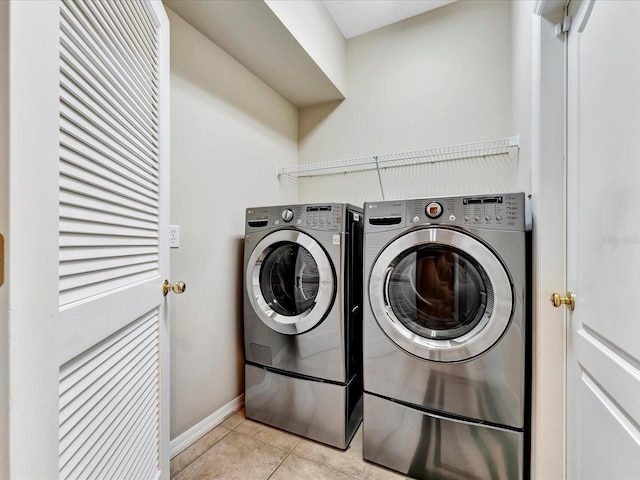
(242,449)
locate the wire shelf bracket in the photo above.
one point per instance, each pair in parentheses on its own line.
(392,160)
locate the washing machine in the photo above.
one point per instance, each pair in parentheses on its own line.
(303,319)
(447,337)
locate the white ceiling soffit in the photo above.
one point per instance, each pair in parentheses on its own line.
(355,17)
(251,33)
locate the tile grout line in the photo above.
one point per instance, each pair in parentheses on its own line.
(269,444)
(280,464)
(316,463)
(287,455)
(220,425)
(229,430)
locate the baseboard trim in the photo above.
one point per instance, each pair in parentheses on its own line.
(187,438)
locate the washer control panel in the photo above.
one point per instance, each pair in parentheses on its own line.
(317,216)
(324,217)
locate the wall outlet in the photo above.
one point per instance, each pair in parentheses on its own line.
(174,236)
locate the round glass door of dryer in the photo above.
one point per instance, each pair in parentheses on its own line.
(290,281)
(441,295)
(438,292)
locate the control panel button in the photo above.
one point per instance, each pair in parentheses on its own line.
(452,218)
(287,215)
(433,210)
(416,219)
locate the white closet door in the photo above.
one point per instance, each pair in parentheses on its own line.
(603,249)
(88,219)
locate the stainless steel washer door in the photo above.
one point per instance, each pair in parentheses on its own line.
(441,295)
(290,282)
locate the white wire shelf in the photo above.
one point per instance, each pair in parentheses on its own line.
(393,160)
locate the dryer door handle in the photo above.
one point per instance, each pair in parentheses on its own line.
(386,278)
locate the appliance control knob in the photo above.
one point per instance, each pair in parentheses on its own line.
(287,215)
(433,210)
(487,218)
(498,218)
(477,218)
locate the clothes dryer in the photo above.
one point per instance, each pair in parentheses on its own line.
(302,319)
(446,337)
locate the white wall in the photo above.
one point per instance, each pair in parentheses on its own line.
(4,198)
(521,85)
(440,78)
(229,132)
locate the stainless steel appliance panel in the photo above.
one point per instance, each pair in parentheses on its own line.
(489,387)
(303,319)
(494,389)
(446,337)
(320,351)
(427,446)
(322,411)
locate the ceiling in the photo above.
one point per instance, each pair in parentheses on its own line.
(355,17)
(252,34)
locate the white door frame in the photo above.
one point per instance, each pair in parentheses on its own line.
(4,226)
(549,241)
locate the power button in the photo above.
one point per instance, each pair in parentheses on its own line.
(433,210)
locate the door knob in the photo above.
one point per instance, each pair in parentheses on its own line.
(569,300)
(178,287)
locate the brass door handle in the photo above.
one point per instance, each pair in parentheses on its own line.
(178,287)
(569,300)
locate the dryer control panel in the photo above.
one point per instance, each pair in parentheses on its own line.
(317,217)
(496,212)
(500,212)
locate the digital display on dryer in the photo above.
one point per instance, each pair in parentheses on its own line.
(481,200)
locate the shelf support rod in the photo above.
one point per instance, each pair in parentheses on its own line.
(379,176)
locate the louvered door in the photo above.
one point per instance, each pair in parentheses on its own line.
(88,136)
(112,138)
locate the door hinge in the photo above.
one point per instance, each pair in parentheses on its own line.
(1,259)
(565,26)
